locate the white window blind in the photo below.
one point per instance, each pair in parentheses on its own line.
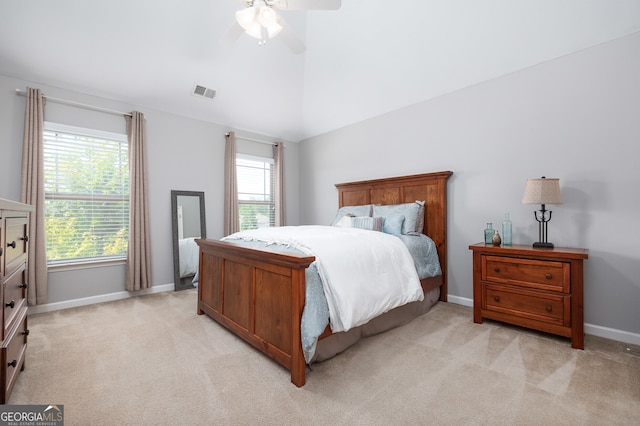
(256,204)
(86,179)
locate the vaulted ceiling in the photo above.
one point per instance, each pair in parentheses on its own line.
(368,58)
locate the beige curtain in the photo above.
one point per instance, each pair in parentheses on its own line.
(231,214)
(33,193)
(138,269)
(278,164)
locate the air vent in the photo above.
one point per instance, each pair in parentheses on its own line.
(204,92)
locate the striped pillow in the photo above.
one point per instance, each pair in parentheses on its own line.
(367,222)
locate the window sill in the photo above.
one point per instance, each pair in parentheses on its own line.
(85,264)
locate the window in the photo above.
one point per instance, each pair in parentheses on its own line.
(86,183)
(255,191)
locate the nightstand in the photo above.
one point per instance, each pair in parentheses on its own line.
(537,288)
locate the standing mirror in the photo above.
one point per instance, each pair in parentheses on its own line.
(187,209)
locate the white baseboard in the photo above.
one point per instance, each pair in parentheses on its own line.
(56,306)
(594,330)
(460,300)
(612,333)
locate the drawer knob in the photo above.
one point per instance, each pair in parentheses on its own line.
(548,308)
(25,238)
(496,270)
(548,276)
(25,333)
(496,298)
(11,304)
(12,244)
(23,285)
(12,363)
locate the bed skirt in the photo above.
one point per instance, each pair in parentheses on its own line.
(333,344)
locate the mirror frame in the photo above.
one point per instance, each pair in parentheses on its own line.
(178,282)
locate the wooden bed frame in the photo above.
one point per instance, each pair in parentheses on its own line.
(259,294)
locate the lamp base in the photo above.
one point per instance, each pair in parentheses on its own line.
(540,244)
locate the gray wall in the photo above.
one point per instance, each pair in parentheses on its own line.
(576,118)
(183,154)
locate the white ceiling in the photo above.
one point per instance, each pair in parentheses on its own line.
(368,58)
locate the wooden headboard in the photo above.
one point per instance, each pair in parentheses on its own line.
(428,187)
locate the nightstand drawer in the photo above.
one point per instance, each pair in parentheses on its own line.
(537,274)
(545,307)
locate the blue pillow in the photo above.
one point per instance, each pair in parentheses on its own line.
(392,224)
(410,212)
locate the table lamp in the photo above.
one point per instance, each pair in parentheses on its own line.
(542,191)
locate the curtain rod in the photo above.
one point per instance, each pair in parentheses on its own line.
(77,104)
(252,140)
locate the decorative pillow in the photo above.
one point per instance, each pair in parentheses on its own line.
(367,222)
(364,210)
(408,210)
(345,222)
(392,224)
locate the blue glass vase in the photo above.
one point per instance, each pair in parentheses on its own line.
(488,234)
(506,231)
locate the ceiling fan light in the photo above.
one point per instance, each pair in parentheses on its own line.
(246,17)
(247,20)
(269,20)
(268,16)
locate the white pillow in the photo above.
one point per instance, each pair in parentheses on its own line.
(344,222)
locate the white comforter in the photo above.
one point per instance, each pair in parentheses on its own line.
(364,273)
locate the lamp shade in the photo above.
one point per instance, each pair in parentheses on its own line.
(542,191)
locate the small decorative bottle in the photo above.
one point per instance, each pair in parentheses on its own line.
(488,233)
(496,240)
(506,231)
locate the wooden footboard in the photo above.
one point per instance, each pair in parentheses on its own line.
(258,295)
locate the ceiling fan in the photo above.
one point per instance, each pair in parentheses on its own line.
(260,20)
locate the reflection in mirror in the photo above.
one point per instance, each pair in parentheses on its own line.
(187,210)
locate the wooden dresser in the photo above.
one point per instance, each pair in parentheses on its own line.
(536,288)
(14,219)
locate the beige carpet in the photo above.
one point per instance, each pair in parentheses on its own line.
(152,361)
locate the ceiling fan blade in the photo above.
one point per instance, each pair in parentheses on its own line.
(308,4)
(232,35)
(289,38)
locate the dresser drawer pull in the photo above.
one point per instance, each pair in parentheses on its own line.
(12,244)
(548,276)
(496,298)
(25,333)
(25,238)
(12,363)
(11,304)
(23,285)
(496,270)
(548,308)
